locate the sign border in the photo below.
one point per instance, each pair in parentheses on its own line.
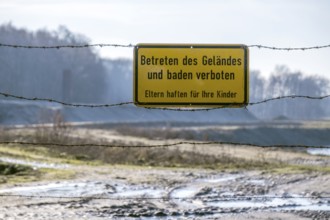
(191,104)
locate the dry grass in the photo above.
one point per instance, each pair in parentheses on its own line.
(59,133)
(168,157)
(161,157)
(162,133)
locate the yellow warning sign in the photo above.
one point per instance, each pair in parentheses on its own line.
(191,75)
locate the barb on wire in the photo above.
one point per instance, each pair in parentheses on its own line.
(77,46)
(160,108)
(218,198)
(220,143)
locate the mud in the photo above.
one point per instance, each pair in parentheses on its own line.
(125,192)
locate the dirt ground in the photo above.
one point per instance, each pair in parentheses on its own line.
(124,192)
(296,188)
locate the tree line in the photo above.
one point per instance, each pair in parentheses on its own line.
(284,82)
(72,75)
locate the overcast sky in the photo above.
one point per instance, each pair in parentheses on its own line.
(280,23)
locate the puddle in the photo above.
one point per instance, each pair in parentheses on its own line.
(34,164)
(89,188)
(319,151)
(191,189)
(64,189)
(260,182)
(184,192)
(142,191)
(201,187)
(261,203)
(219,179)
(315,207)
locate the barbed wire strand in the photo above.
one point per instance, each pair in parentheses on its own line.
(161,145)
(244,106)
(64,103)
(64,46)
(218,198)
(101,45)
(158,108)
(290,48)
(289,97)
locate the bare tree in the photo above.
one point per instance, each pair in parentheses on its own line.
(283,82)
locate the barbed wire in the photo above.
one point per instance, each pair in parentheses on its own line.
(289,97)
(218,198)
(64,103)
(158,108)
(244,106)
(101,45)
(64,46)
(162,145)
(290,48)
